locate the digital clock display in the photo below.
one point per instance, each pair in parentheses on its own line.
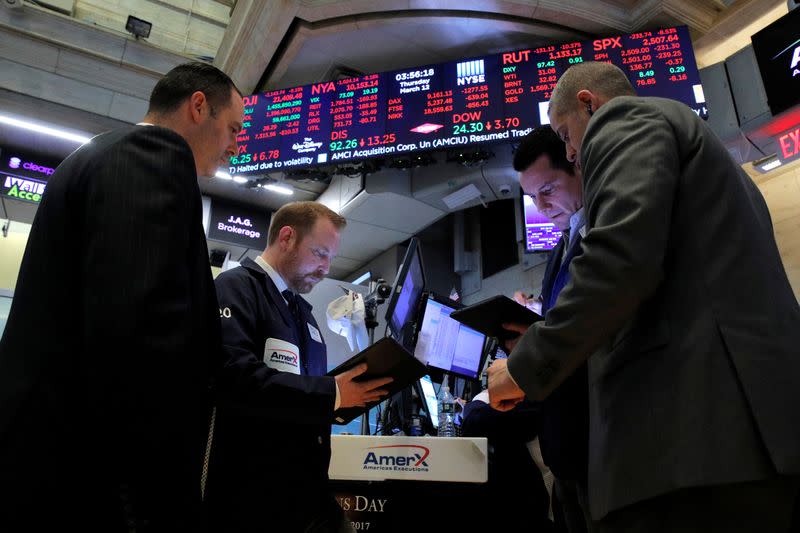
(414,74)
(492,99)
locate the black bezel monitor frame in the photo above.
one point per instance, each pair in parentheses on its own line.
(400,332)
(775,71)
(437,374)
(138,27)
(429,418)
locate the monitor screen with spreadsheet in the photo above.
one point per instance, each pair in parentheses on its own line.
(446,344)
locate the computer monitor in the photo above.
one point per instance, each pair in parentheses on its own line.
(428,395)
(776,51)
(447,345)
(403,306)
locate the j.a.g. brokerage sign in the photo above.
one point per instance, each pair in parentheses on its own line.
(242,226)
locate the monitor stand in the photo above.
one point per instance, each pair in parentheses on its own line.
(378,292)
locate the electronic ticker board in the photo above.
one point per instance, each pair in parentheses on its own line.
(495,98)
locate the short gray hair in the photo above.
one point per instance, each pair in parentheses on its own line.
(603,79)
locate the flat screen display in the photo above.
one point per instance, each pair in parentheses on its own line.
(490,99)
(238,225)
(429,398)
(541,234)
(777,50)
(406,293)
(24,175)
(21,188)
(446,344)
(27,164)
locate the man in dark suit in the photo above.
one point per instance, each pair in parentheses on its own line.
(107,356)
(554,185)
(272,443)
(514,477)
(694,397)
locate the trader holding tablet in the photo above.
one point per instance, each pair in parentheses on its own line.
(271,448)
(694,399)
(554,184)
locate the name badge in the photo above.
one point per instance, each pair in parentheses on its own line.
(282,355)
(314,332)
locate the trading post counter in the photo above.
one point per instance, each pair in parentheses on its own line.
(402,484)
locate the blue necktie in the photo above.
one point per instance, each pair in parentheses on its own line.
(294,308)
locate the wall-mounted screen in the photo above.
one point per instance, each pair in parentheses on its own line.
(494,98)
(24,175)
(27,164)
(238,225)
(541,234)
(21,188)
(777,49)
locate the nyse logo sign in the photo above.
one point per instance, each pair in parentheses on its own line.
(470,72)
(789,145)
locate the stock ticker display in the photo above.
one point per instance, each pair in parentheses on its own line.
(495,98)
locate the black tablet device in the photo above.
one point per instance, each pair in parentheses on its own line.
(489,315)
(384,358)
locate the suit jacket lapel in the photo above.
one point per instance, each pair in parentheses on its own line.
(271,291)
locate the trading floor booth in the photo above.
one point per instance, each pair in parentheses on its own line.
(402,484)
(384,479)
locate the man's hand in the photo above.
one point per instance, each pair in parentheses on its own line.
(520,298)
(517,328)
(504,393)
(359,393)
(534,304)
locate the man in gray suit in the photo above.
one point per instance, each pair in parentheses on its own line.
(694,396)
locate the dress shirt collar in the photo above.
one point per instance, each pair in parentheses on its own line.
(576,223)
(273,275)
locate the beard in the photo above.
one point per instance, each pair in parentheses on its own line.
(301,281)
(302,284)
